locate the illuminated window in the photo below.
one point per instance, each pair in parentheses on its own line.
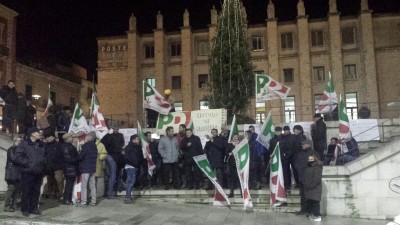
(351,105)
(178,106)
(203,105)
(290,110)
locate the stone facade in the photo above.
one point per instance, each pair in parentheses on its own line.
(353,49)
(7,44)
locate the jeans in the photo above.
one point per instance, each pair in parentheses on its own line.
(30,191)
(68,189)
(112,172)
(88,177)
(130,181)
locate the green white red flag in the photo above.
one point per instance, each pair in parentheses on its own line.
(329,99)
(154,100)
(220,198)
(78,122)
(268,89)
(234,129)
(344,125)
(49,103)
(191,125)
(97,121)
(267,131)
(277,187)
(242,158)
(146,150)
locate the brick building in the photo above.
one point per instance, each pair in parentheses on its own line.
(362,53)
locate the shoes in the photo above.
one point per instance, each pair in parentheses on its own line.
(127,201)
(230,194)
(36,212)
(315,218)
(84,205)
(9,209)
(93,204)
(26,214)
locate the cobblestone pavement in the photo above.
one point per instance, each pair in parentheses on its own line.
(144,212)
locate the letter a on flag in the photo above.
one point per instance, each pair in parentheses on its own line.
(154,100)
(278,194)
(242,158)
(220,198)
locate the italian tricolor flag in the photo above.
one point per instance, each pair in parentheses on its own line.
(78,122)
(329,99)
(154,100)
(278,194)
(146,150)
(242,158)
(267,131)
(97,122)
(220,198)
(234,129)
(49,103)
(344,126)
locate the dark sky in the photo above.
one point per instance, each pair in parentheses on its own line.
(67,29)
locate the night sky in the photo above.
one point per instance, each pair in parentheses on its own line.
(67,29)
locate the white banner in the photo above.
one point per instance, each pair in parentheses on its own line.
(127,132)
(206,120)
(364,129)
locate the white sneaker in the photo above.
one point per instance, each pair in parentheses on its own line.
(315,218)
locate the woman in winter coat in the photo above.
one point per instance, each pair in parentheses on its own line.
(70,155)
(12,177)
(313,187)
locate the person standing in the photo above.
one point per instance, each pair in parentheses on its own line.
(272,144)
(101,157)
(88,159)
(12,177)
(133,158)
(287,146)
(191,146)
(318,134)
(169,151)
(256,152)
(156,157)
(313,187)
(10,97)
(233,175)
(30,155)
(215,151)
(70,167)
(63,122)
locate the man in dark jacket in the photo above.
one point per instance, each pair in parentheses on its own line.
(350,151)
(156,157)
(9,95)
(272,144)
(133,160)
(30,155)
(318,134)
(88,159)
(191,146)
(287,146)
(257,150)
(215,151)
(313,187)
(70,167)
(63,122)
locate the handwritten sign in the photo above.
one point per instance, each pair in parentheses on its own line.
(364,129)
(206,120)
(127,132)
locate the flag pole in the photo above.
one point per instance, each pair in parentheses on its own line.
(144,110)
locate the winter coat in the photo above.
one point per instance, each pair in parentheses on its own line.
(9,95)
(101,156)
(287,146)
(13,170)
(70,155)
(301,162)
(194,149)
(114,144)
(21,109)
(63,122)
(313,182)
(30,155)
(215,151)
(318,134)
(88,157)
(352,147)
(30,116)
(155,155)
(134,155)
(54,157)
(169,149)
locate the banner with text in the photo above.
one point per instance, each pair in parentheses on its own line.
(206,120)
(364,129)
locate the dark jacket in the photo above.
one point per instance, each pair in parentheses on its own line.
(272,144)
(54,157)
(301,162)
(63,122)
(88,157)
(194,149)
(352,146)
(297,143)
(21,109)
(318,134)
(30,116)
(13,170)
(155,155)
(30,155)
(70,156)
(134,155)
(313,181)
(9,95)
(287,146)
(215,151)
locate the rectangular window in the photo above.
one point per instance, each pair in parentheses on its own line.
(28,92)
(260,109)
(203,105)
(259,72)
(319,73)
(317,38)
(149,51)
(351,105)
(71,102)
(203,80)
(176,82)
(202,48)
(288,75)
(151,82)
(175,49)
(257,42)
(290,110)
(348,35)
(350,72)
(287,41)
(53,97)
(178,106)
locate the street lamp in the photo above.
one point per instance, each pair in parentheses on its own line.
(36,97)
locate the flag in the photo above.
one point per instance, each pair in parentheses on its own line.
(234,129)
(335,155)
(242,158)
(344,125)
(190,125)
(267,131)
(329,99)
(154,100)
(49,104)
(277,186)
(268,89)
(97,121)
(220,198)
(78,122)
(146,150)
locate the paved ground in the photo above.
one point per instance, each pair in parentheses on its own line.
(114,212)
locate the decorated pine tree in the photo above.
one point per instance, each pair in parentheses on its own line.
(231,71)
